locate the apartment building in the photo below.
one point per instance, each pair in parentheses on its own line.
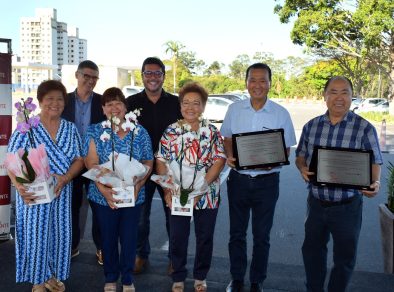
(46,45)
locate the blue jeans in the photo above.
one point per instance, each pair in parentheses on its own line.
(343,223)
(204,226)
(143,245)
(118,226)
(259,196)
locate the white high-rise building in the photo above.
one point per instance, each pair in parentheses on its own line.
(45,41)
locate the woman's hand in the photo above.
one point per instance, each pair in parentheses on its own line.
(108,193)
(27,197)
(62,180)
(168,197)
(196,199)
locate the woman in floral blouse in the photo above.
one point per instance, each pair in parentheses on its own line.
(117,224)
(194,143)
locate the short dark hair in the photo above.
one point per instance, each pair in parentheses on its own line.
(88,64)
(333,78)
(193,87)
(262,66)
(153,60)
(111,94)
(49,85)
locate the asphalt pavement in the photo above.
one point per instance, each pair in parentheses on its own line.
(285,271)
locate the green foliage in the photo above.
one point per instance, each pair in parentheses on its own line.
(239,65)
(390,187)
(359,37)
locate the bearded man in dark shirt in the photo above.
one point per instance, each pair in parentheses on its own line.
(159,109)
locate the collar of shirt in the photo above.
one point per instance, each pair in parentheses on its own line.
(267,106)
(349,116)
(78,99)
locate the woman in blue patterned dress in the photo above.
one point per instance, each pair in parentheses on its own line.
(43,232)
(200,147)
(117,224)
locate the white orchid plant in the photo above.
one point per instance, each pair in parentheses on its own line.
(187,139)
(111,127)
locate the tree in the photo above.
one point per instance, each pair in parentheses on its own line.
(189,60)
(239,65)
(214,69)
(359,36)
(174,48)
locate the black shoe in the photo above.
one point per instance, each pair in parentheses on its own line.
(235,286)
(256,287)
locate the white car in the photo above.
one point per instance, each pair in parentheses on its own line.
(131,90)
(369,104)
(216,108)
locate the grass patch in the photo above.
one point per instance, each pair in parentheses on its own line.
(377,117)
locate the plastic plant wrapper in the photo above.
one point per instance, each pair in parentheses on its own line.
(127,173)
(171,180)
(31,168)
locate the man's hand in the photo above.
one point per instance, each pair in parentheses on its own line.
(231,161)
(370,194)
(304,170)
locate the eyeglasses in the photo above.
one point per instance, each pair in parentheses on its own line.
(87,77)
(190,104)
(157,74)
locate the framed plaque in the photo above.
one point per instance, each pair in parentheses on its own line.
(341,167)
(260,149)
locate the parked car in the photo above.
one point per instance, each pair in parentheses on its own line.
(381,107)
(216,108)
(130,90)
(356,101)
(232,97)
(372,104)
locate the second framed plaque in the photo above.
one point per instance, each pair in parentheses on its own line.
(341,167)
(254,150)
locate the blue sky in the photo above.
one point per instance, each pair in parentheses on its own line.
(125,32)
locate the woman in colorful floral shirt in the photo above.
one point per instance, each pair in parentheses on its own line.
(193,142)
(116,224)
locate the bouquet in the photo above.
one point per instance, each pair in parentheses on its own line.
(30,166)
(121,171)
(183,178)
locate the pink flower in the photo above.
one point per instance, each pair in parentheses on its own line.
(23,127)
(34,121)
(31,107)
(18,106)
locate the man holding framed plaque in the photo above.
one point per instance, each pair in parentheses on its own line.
(258,134)
(339,156)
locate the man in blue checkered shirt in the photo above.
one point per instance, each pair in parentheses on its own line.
(333,210)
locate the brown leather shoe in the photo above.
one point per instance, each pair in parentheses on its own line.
(140,265)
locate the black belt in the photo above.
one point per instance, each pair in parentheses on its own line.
(264,175)
(327,204)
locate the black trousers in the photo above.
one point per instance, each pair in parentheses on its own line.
(79,184)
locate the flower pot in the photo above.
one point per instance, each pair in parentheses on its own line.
(387,232)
